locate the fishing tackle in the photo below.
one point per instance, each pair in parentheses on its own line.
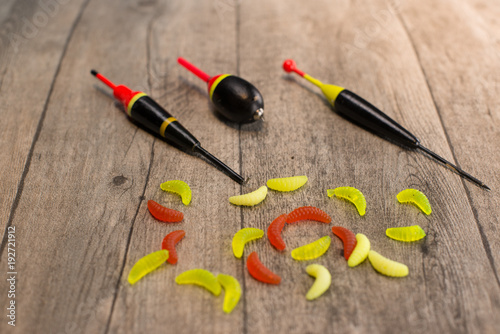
(364,114)
(416,197)
(387,267)
(261,272)
(348,239)
(234,98)
(351,194)
(321,283)
(274,232)
(178,187)
(200,277)
(147,264)
(287,183)
(232,290)
(250,199)
(145,111)
(164,214)
(308,213)
(313,250)
(169,243)
(360,252)
(242,237)
(407,234)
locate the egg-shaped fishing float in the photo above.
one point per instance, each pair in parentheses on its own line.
(363,113)
(145,111)
(234,98)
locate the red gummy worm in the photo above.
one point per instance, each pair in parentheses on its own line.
(274,232)
(164,214)
(308,213)
(259,271)
(348,239)
(169,243)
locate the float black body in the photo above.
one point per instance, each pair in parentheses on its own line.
(237,99)
(362,112)
(151,115)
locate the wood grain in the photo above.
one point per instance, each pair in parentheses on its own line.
(209,220)
(466,92)
(84,188)
(334,153)
(77,174)
(26,84)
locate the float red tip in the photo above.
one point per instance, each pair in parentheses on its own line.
(290,66)
(195,70)
(121,92)
(103,79)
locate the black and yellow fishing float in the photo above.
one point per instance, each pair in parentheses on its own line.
(361,112)
(144,110)
(234,98)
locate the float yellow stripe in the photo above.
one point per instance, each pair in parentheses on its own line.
(165,124)
(132,101)
(216,82)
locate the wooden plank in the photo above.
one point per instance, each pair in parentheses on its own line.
(366,49)
(192,30)
(86,180)
(26,29)
(463,80)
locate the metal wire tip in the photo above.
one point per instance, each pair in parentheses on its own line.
(454,168)
(220,165)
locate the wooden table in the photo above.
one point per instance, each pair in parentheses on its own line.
(76,174)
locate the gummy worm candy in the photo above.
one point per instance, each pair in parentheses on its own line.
(351,194)
(313,250)
(287,183)
(308,213)
(201,277)
(259,271)
(169,243)
(274,232)
(164,214)
(348,239)
(322,282)
(409,233)
(360,252)
(242,237)
(178,187)
(387,267)
(232,290)
(146,265)
(250,199)
(416,197)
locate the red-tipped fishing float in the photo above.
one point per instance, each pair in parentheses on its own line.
(151,115)
(234,98)
(361,112)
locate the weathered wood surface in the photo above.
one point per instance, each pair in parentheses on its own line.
(76,175)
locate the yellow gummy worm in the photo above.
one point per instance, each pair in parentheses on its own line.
(351,194)
(232,290)
(409,233)
(242,237)
(415,197)
(178,187)
(322,282)
(313,250)
(387,267)
(360,252)
(250,199)
(287,183)
(201,277)
(146,265)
